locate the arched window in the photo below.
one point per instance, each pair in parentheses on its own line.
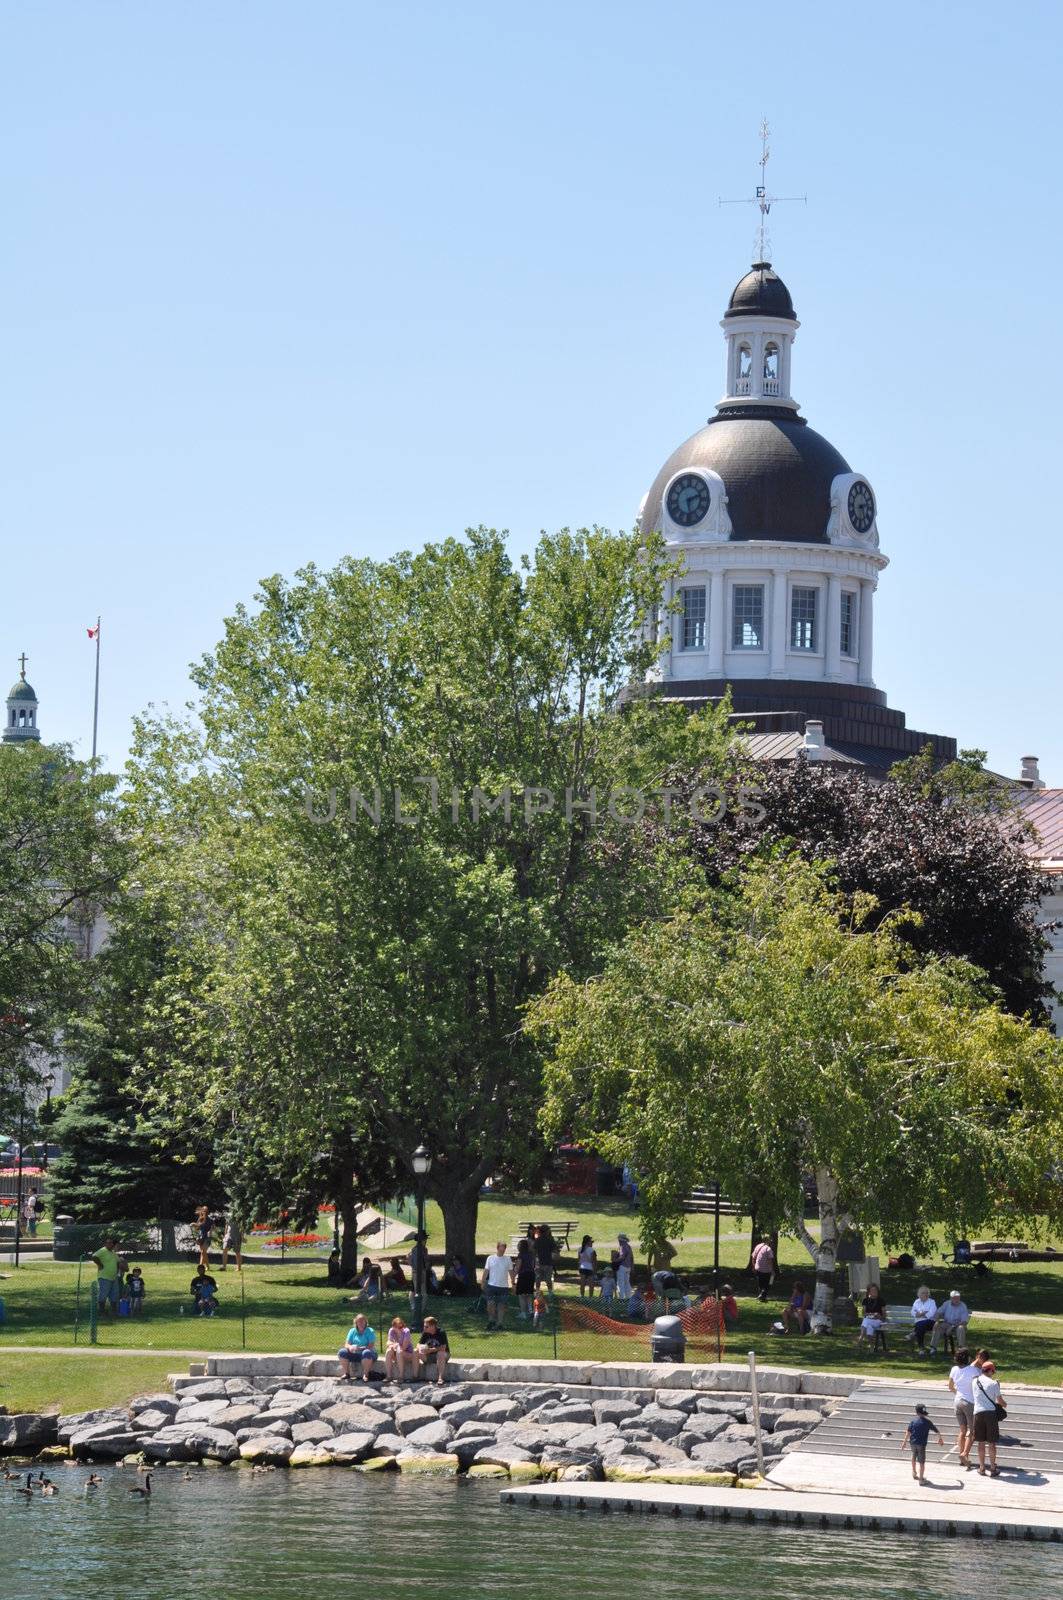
(745,361)
(771,369)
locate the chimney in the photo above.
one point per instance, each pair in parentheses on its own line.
(813,745)
(1030,776)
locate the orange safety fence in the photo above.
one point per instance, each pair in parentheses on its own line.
(703,1324)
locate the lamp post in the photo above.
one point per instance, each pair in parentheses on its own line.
(421,1162)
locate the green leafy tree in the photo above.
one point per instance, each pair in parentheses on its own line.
(60,864)
(358,981)
(785,1030)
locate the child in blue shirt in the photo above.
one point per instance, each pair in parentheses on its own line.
(915,1438)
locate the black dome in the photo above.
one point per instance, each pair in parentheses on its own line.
(761,293)
(777,472)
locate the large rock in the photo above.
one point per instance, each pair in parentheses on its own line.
(26,1432)
(719,1455)
(212,1444)
(557,1456)
(154,1402)
(171,1444)
(267,1450)
(68,1425)
(236,1388)
(428,1462)
(466,1449)
(349,1417)
(662,1423)
(594,1438)
(741,1432)
(476,1426)
(786,1438)
(503,1455)
(278,1426)
(240,1414)
(663,1454)
(152,1421)
(432,1436)
(310,1432)
(615,1411)
(714,1405)
(630,1469)
(564,1411)
(352,1447)
(409,1417)
(803,1419)
(310,1455)
(105,1441)
(389,1444)
(460,1411)
(207,1411)
(203,1389)
(698,1428)
(501,1410)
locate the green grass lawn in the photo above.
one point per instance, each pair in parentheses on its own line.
(78,1383)
(291,1307)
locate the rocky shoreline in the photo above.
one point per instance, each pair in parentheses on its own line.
(522,1431)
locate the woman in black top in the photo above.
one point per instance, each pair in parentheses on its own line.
(524,1279)
(544,1256)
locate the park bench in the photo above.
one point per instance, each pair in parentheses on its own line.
(704,1200)
(562,1231)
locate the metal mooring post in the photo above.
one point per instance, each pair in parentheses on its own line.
(755,1396)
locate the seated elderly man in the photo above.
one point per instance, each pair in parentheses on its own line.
(950,1324)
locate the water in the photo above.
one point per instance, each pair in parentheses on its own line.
(237,1536)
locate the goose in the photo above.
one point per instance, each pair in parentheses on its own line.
(11,1477)
(93,1481)
(144,1489)
(49,1488)
(28,1493)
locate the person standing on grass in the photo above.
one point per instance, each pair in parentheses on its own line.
(203,1230)
(232,1239)
(987,1397)
(763,1263)
(588,1267)
(107,1265)
(524,1279)
(496,1280)
(916,1437)
(625,1262)
(29,1213)
(544,1256)
(961,1383)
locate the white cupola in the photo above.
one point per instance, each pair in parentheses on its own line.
(759,326)
(20,725)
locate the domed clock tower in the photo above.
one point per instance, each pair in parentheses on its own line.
(781,559)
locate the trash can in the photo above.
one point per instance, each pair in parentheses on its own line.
(668,1342)
(65,1245)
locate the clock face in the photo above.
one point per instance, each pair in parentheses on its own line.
(861,507)
(688,500)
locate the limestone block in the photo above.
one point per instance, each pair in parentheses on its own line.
(741,1432)
(801,1421)
(238,1388)
(267,1449)
(664,1454)
(413,1416)
(309,1454)
(594,1438)
(669,1375)
(213,1444)
(476,1426)
(828,1383)
(170,1444)
(557,1456)
(718,1455)
(106,1441)
(152,1421)
(239,1414)
(202,1389)
(432,1436)
(250,1366)
(698,1428)
(620,1375)
(660,1423)
(710,1405)
(274,1425)
(310,1432)
(423,1462)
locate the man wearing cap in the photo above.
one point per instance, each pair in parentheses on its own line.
(952,1319)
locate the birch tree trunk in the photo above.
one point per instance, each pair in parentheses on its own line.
(824,1251)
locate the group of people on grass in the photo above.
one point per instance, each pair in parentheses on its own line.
(402,1358)
(204,1228)
(119,1287)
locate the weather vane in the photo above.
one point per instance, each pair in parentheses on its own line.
(763,200)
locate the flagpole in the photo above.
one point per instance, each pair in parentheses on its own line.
(96,696)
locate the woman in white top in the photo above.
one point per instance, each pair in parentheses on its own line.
(924,1311)
(588,1267)
(961,1382)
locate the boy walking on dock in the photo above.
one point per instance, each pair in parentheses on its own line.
(916,1436)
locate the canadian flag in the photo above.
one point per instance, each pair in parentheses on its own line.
(92,632)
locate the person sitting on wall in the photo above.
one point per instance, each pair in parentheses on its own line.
(433,1347)
(359,1350)
(204,1291)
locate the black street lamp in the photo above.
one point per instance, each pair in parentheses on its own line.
(421,1162)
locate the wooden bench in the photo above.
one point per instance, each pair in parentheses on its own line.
(562,1231)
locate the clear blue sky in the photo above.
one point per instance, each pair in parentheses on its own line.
(284,282)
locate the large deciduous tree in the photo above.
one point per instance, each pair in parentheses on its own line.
(60,864)
(378,844)
(783,1030)
(946,843)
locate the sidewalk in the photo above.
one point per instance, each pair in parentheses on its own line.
(1036,1494)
